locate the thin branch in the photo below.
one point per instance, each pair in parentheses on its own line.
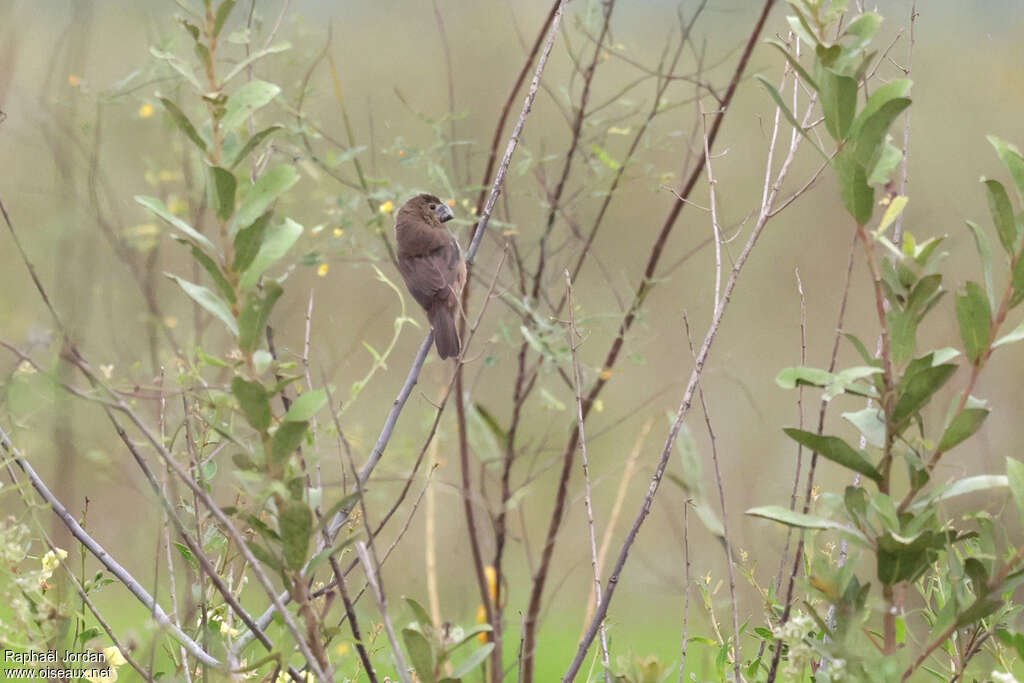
(574,335)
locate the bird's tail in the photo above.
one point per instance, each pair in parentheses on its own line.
(446,336)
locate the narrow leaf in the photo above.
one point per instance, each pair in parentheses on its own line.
(972,310)
(306,406)
(252,143)
(784,515)
(206,298)
(223,183)
(838,102)
(781,104)
(276,242)
(253,319)
(473,661)
(179,118)
(1002,214)
(916,390)
(295,522)
(246,100)
(962,427)
(253,400)
(420,653)
(161,210)
(836,450)
(265,192)
(248,242)
(286,439)
(985,254)
(858,197)
(1015,478)
(1011,157)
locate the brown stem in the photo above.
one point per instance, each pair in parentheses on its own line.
(540,577)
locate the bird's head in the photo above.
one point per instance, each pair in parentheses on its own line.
(428,208)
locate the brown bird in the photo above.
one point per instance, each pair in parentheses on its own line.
(431,264)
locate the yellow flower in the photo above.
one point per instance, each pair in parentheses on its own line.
(606,374)
(228,630)
(338,232)
(171,321)
(51,560)
(146,110)
(387,207)
(74,80)
(322,270)
(599,406)
(342,649)
(114,656)
(450,202)
(492,581)
(481,614)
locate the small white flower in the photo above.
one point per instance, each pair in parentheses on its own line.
(1002,677)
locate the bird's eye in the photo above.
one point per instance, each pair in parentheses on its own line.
(433,207)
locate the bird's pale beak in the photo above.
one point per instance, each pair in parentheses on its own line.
(445,213)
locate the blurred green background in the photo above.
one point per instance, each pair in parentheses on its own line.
(60,60)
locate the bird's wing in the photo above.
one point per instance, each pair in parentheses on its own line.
(431,277)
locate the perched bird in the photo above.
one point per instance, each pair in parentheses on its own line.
(430,260)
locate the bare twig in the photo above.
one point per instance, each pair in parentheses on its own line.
(574,339)
(107,560)
(725,515)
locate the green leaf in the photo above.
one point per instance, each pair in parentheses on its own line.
(874,129)
(248,242)
(179,118)
(916,390)
(473,661)
(306,406)
(249,98)
(252,321)
(254,401)
(1002,214)
(834,384)
(838,102)
(158,207)
(252,143)
(206,298)
(981,482)
(887,161)
(1015,478)
(858,197)
(240,67)
(420,615)
(223,183)
(985,254)
(975,316)
(863,28)
(265,192)
(176,63)
(222,16)
(1015,336)
(420,653)
(902,334)
(784,515)
(276,242)
(286,439)
(295,522)
(469,634)
(962,427)
(264,555)
(835,449)
(1012,159)
(896,88)
(213,270)
(870,423)
(781,104)
(793,62)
